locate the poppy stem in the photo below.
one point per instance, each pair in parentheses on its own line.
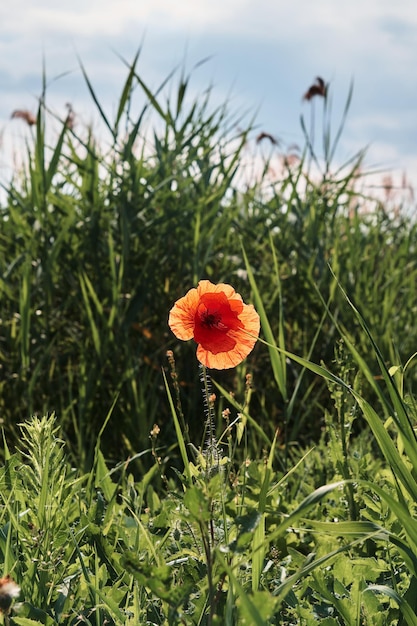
(212,452)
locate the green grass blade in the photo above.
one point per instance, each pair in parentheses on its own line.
(86,288)
(95,99)
(406,610)
(399,410)
(25,316)
(277,358)
(126,92)
(259,544)
(56,158)
(178,432)
(388,448)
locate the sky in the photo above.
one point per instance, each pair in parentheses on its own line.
(261,56)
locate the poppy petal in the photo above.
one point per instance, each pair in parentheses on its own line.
(224,328)
(182,314)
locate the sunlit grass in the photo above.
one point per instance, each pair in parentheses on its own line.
(112,510)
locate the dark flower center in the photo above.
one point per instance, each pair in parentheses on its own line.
(211,320)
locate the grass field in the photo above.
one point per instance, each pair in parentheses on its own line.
(139,487)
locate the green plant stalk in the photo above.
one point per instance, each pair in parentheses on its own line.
(178,431)
(259,541)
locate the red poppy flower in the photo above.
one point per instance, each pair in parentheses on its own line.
(216,317)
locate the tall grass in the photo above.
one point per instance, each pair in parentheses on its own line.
(99,239)
(236,543)
(298,506)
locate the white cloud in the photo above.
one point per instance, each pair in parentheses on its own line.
(343,39)
(111,17)
(290,20)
